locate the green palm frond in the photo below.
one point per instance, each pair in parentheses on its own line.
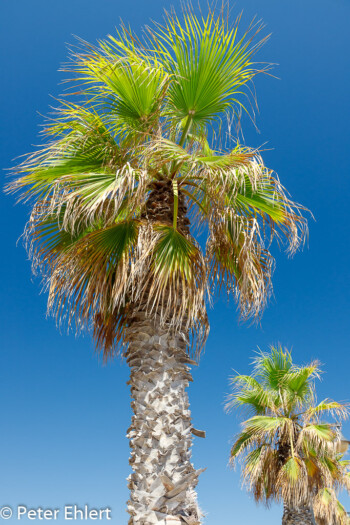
(292,471)
(245,441)
(208,65)
(131,82)
(84,147)
(329,406)
(239,261)
(250,395)
(199,167)
(300,382)
(292,481)
(46,239)
(265,427)
(328,509)
(262,196)
(329,463)
(92,276)
(177,273)
(254,459)
(89,197)
(319,436)
(271,368)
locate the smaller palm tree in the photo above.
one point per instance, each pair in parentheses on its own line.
(288,452)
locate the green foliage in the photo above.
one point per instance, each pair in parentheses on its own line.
(207,63)
(288,452)
(139,119)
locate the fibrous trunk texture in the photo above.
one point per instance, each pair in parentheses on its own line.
(163,479)
(298,516)
(160,206)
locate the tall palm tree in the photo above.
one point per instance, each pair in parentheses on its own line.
(289,453)
(130,164)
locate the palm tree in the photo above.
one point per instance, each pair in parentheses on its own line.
(129,165)
(289,453)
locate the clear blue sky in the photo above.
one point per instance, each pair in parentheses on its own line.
(63,414)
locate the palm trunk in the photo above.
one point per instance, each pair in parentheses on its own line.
(163,479)
(302,515)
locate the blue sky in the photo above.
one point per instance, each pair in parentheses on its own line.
(64,415)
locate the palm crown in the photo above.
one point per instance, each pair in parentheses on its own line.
(288,451)
(130,155)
